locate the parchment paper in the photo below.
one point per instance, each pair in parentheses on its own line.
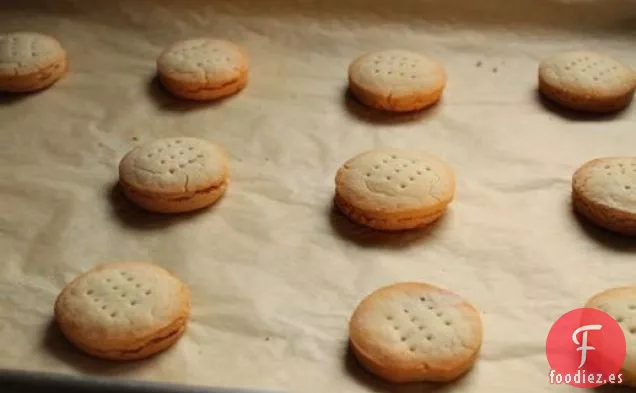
(275,273)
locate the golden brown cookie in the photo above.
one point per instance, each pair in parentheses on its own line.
(396,80)
(123,310)
(587,81)
(415,332)
(394,189)
(175,175)
(30,62)
(604,191)
(203,69)
(620,304)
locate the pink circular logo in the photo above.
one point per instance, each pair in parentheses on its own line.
(585,349)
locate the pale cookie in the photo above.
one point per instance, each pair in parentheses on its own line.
(604,191)
(394,189)
(415,332)
(620,304)
(203,69)
(123,310)
(30,62)
(587,81)
(174,175)
(396,80)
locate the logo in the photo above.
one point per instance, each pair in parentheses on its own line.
(585,349)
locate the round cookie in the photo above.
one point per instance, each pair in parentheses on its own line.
(203,69)
(123,310)
(30,62)
(587,81)
(604,191)
(415,332)
(396,80)
(394,189)
(174,175)
(620,304)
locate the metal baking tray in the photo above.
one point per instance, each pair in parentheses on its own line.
(15,381)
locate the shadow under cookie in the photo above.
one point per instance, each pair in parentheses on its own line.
(8,99)
(573,115)
(55,344)
(376,116)
(367,237)
(166,101)
(603,236)
(132,216)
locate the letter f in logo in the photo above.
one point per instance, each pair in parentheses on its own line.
(583,344)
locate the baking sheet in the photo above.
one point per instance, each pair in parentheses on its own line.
(274,271)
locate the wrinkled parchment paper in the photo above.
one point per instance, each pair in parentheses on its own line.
(274,272)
